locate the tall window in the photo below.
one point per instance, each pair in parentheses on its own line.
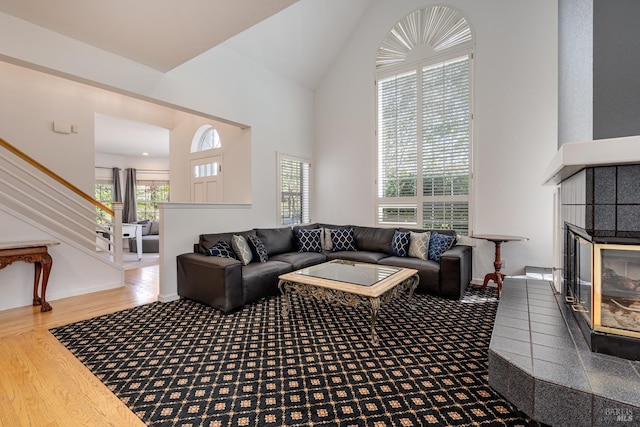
(424,122)
(293,190)
(148,194)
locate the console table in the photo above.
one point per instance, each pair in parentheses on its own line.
(498,240)
(35,252)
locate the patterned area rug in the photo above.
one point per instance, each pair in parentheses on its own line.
(185,364)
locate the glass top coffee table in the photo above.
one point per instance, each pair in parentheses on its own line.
(350,283)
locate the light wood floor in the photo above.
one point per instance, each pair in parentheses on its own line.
(41,383)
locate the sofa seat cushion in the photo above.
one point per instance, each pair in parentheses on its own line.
(260,279)
(428,271)
(359,256)
(300,260)
(150,244)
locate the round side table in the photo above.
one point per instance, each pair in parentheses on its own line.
(497,240)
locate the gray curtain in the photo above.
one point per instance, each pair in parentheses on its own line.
(116,195)
(129,206)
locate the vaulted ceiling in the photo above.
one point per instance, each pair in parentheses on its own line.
(159,33)
(298,39)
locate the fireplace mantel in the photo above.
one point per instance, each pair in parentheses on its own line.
(575,156)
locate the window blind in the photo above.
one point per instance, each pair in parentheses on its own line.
(294,186)
(424,144)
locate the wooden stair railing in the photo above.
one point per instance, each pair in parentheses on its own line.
(115,214)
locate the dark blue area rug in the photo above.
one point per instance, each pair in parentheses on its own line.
(186,364)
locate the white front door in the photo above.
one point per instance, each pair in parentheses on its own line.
(206,179)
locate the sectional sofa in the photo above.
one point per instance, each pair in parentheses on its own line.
(150,238)
(230,270)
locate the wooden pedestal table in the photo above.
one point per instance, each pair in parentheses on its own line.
(497,240)
(34,252)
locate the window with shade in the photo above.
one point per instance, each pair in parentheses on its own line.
(293,190)
(424,127)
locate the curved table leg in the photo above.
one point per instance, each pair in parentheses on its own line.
(47,263)
(36,282)
(375,308)
(285,299)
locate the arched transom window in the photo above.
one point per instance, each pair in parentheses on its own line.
(422,32)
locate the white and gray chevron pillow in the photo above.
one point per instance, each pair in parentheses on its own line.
(419,245)
(241,248)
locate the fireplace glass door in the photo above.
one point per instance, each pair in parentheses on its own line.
(581,282)
(617,294)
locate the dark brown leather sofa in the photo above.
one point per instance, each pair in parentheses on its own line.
(228,285)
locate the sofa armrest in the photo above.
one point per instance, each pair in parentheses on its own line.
(211,280)
(455,271)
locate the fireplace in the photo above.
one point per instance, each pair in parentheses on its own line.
(598,240)
(602,287)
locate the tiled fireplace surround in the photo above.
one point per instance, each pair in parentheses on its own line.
(538,356)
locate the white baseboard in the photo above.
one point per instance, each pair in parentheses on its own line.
(168,298)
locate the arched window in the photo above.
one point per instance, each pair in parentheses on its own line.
(423,92)
(205,138)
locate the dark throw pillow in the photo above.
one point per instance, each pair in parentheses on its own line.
(309,240)
(439,244)
(258,249)
(400,243)
(343,240)
(221,249)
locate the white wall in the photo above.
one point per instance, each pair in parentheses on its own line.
(515,126)
(220,83)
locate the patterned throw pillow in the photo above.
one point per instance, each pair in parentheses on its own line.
(343,240)
(309,240)
(258,249)
(419,245)
(221,249)
(400,243)
(438,244)
(241,248)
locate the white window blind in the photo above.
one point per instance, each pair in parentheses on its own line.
(294,185)
(424,146)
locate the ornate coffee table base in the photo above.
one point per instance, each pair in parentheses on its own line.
(347,298)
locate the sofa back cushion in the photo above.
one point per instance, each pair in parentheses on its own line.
(277,240)
(207,241)
(154,228)
(445,232)
(146,226)
(373,239)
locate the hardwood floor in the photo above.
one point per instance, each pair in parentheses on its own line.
(41,382)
